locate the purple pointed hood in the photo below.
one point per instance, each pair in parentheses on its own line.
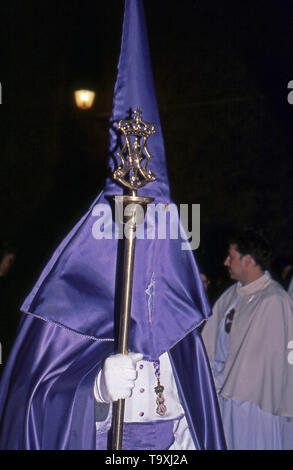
(80,288)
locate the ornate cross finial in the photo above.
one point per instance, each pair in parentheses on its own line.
(135,156)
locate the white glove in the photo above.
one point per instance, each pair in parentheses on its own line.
(117,378)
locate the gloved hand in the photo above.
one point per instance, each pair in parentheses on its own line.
(117,378)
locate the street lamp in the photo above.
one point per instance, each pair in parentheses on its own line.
(84,98)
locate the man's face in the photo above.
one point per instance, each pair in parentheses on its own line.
(235,262)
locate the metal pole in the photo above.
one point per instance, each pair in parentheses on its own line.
(132,174)
(124,324)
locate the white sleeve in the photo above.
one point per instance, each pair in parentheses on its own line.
(183,439)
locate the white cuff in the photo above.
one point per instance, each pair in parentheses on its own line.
(97,389)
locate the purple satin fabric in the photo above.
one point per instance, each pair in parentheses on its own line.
(150,436)
(142,436)
(46,393)
(197,392)
(135,88)
(78,289)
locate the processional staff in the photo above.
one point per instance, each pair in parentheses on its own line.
(133,173)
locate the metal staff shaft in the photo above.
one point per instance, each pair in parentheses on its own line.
(129,253)
(124,326)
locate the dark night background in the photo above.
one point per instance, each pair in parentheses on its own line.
(221,71)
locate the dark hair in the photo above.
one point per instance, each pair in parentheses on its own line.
(250,242)
(6,247)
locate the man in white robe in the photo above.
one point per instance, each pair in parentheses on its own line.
(249,341)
